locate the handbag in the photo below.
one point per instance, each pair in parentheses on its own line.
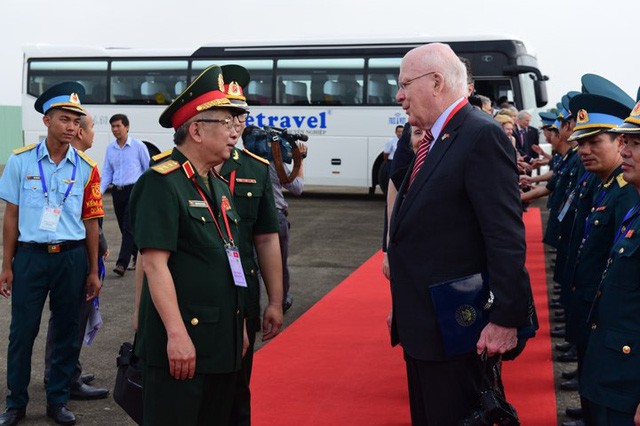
(493,408)
(127,391)
(462,307)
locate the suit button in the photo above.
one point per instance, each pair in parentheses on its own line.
(596,222)
(194,321)
(626,350)
(249,194)
(252,272)
(621,250)
(594,326)
(560,238)
(238,312)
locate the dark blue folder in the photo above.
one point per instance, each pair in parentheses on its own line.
(462,307)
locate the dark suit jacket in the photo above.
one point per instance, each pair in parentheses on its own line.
(525,140)
(462,215)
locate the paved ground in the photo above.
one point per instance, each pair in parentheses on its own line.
(331,235)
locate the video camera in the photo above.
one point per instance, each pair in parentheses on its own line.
(277,145)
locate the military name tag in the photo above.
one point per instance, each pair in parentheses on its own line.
(233,255)
(244,180)
(197,203)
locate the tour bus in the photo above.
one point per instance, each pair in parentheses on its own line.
(341,94)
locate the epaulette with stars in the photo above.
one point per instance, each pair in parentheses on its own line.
(257,157)
(166,167)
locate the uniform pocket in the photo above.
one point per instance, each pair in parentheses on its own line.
(201,322)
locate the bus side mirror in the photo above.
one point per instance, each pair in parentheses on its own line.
(540,89)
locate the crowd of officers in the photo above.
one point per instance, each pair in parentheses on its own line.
(593,228)
(205,222)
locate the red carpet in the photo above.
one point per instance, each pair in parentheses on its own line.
(334,365)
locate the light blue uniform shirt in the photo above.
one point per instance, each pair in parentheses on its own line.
(123,166)
(20,184)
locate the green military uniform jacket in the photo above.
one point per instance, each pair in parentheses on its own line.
(611,202)
(611,369)
(250,185)
(168,213)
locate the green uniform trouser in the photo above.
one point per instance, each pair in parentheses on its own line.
(204,400)
(36,274)
(241,413)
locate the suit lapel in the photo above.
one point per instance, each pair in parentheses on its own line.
(446,138)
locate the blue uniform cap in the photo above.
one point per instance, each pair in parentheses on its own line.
(631,124)
(548,119)
(67,95)
(597,85)
(596,114)
(565,113)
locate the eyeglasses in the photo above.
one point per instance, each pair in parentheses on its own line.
(242,117)
(403,85)
(227,122)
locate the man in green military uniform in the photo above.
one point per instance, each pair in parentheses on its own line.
(190,326)
(250,186)
(610,376)
(598,220)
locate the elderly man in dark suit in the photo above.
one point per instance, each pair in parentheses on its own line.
(526,136)
(457,213)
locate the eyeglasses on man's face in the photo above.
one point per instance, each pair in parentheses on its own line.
(226,122)
(242,117)
(403,85)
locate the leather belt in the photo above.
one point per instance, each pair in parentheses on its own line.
(52,248)
(122,188)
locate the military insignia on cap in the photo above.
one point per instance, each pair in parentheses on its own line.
(234,89)
(466,315)
(74,99)
(220,82)
(583,116)
(636,109)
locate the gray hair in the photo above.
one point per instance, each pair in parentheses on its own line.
(522,114)
(442,58)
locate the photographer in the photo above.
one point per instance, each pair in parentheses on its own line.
(294,187)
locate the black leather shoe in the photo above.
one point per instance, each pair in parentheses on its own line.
(569,356)
(570,385)
(85,391)
(87,378)
(61,414)
(574,412)
(12,416)
(563,347)
(570,374)
(574,423)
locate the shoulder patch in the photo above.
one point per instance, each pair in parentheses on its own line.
(87,159)
(24,148)
(166,167)
(621,181)
(257,157)
(162,155)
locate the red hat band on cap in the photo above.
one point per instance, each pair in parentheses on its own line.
(197,105)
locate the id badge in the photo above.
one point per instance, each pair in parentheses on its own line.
(233,255)
(566,205)
(50,218)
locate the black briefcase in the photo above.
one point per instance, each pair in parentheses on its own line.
(127,391)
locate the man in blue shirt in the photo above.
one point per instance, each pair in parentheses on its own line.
(50,241)
(125,160)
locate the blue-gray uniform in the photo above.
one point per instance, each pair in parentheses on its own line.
(611,201)
(49,259)
(558,185)
(611,374)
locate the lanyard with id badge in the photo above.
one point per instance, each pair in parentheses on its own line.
(51,214)
(233,254)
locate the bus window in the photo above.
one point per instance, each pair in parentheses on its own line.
(494,89)
(91,74)
(147,82)
(527,90)
(319,81)
(382,84)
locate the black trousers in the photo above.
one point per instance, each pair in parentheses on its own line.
(241,411)
(441,393)
(121,206)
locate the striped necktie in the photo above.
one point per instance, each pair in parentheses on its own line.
(423,150)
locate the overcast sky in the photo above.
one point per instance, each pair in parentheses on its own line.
(566,36)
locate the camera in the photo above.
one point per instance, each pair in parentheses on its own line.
(259,141)
(493,410)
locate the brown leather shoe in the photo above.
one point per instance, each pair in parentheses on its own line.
(119,269)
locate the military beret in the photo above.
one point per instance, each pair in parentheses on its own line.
(205,92)
(66,95)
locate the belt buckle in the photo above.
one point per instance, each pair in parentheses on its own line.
(53,248)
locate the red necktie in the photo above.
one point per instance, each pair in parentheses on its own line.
(423,150)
